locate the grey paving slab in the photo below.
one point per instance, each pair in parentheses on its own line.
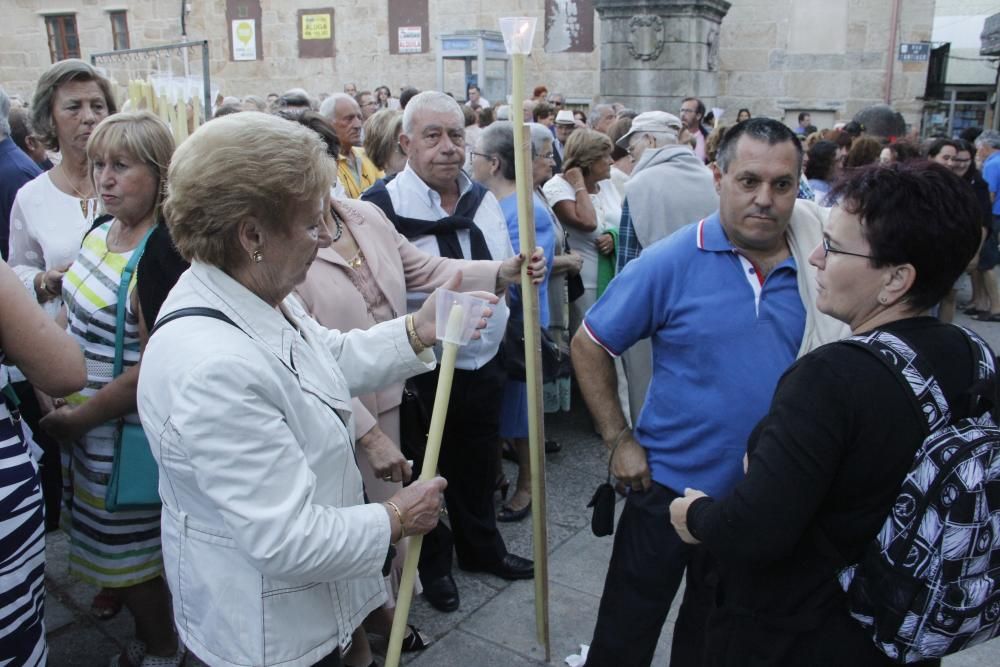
(463,648)
(581,563)
(509,620)
(57,614)
(84,646)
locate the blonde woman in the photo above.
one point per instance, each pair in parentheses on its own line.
(588,206)
(119,551)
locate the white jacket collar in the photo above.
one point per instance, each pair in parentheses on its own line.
(252,314)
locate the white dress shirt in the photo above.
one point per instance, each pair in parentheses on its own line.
(412,198)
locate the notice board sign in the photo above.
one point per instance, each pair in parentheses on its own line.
(243,19)
(408,26)
(315,33)
(919,52)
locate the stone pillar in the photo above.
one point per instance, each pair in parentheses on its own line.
(654,53)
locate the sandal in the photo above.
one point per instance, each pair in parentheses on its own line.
(984,316)
(415,641)
(105,605)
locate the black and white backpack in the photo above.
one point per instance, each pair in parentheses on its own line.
(929,584)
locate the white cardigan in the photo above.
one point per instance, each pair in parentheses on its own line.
(270,554)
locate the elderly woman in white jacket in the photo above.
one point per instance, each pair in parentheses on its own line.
(271,552)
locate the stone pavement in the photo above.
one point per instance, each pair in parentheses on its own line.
(494,626)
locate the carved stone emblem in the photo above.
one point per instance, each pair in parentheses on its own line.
(713,49)
(648,37)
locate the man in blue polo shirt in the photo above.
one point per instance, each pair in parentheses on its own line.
(722,302)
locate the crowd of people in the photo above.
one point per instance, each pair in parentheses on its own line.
(259,300)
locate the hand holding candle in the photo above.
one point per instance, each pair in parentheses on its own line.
(457,319)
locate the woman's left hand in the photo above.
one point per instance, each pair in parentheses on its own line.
(679,512)
(425,319)
(64,424)
(605,244)
(510,269)
(384,456)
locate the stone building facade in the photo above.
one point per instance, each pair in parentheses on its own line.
(829,57)
(776,57)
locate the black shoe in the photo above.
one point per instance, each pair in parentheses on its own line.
(511,568)
(508,514)
(552,446)
(442,593)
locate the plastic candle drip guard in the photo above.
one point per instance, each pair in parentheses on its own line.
(458,315)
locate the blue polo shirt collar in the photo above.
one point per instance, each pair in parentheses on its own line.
(711,236)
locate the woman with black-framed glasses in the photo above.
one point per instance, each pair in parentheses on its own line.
(825,466)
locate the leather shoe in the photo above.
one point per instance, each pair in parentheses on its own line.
(510,567)
(442,593)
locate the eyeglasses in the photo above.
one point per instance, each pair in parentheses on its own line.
(827,249)
(545,156)
(482,155)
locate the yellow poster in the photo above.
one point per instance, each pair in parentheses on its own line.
(315,26)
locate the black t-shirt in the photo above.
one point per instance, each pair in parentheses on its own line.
(159,268)
(832,452)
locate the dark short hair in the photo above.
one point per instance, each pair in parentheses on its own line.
(486,117)
(227,109)
(935,146)
(20,127)
(822,157)
(864,150)
(470,87)
(700,109)
(543,110)
(318,124)
(803,115)
(917,213)
(407,95)
(760,129)
(904,151)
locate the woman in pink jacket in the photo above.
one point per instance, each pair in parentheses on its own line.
(360,280)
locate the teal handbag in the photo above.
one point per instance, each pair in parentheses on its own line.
(134,483)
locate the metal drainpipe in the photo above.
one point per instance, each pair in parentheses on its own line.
(891,60)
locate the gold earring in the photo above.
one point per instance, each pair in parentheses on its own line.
(257,256)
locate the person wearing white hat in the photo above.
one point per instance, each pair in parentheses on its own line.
(669,187)
(564,126)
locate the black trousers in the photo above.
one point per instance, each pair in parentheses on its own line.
(468,460)
(647,563)
(51,471)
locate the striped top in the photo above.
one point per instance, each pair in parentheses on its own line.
(22,548)
(90,291)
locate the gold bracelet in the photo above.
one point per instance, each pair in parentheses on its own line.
(411,332)
(399,515)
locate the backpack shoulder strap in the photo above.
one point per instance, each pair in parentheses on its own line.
(920,385)
(195,311)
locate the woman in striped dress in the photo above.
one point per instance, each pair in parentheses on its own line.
(130,154)
(52,362)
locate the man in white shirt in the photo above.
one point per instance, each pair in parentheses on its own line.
(475,98)
(441,211)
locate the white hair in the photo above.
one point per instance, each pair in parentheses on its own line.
(329,106)
(430,101)
(4,113)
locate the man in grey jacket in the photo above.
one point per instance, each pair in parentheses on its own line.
(669,187)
